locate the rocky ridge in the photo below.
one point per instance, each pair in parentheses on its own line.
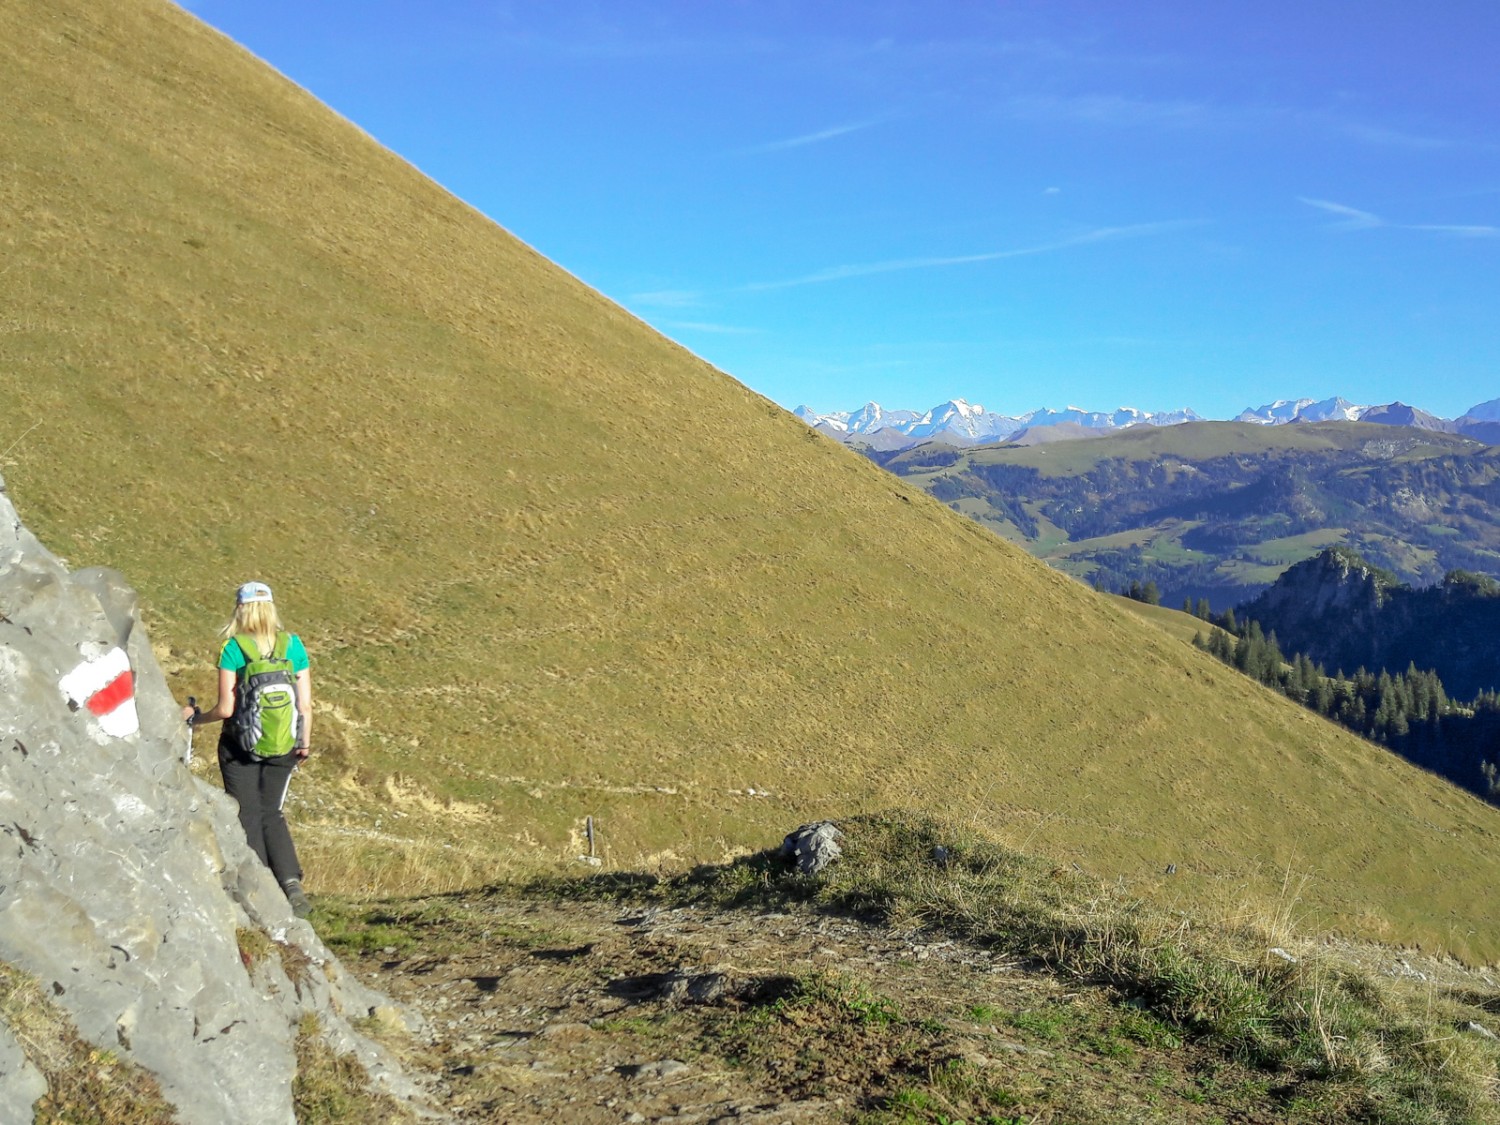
(1334,582)
(127,889)
(1345,613)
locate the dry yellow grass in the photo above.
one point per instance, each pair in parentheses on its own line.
(84,1083)
(238,338)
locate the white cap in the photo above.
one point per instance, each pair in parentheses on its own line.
(253,592)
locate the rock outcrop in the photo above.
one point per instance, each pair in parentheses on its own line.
(812,847)
(126,886)
(1335,583)
(1345,614)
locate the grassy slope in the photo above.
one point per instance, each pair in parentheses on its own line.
(1176,623)
(251,342)
(1201,440)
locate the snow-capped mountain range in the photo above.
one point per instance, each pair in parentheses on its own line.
(1285,410)
(963,423)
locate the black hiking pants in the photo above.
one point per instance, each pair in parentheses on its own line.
(260,785)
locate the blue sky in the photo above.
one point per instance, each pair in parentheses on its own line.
(1028,204)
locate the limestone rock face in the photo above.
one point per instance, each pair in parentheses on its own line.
(1330,582)
(125,882)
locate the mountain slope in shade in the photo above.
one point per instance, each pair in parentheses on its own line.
(1483,412)
(1056,431)
(231,292)
(1487,432)
(1482,422)
(1399,414)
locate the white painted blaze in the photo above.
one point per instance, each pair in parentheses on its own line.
(105,688)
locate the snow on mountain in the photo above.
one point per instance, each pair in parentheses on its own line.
(1283,410)
(959,419)
(868,419)
(838,422)
(1112,420)
(1274,413)
(966,423)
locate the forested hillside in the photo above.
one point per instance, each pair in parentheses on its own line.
(1220,509)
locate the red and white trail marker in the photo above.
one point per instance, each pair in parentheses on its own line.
(105,688)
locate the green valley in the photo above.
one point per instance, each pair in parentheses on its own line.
(1220,509)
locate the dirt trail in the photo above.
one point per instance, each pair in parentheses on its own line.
(588,1012)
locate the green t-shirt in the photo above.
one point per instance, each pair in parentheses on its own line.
(232,657)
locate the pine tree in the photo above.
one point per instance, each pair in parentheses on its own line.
(1322,696)
(1221,646)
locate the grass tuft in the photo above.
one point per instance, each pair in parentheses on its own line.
(85,1086)
(1345,1043)
(334,1089)
(255,946)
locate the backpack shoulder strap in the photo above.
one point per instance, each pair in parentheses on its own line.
(283,642)
(248,646)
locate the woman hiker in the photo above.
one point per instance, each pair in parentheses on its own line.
(267,725)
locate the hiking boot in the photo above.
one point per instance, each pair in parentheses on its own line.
(301,907)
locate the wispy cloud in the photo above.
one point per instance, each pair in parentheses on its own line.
(806,139)
(1352,218)
(1119,111)
(1458,229)
(1383,135)
(1099,234)
(1110,110)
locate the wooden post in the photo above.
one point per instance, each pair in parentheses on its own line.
(588,827)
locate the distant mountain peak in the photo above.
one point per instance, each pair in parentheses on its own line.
(961,422)
(1483,412)
(1287,410)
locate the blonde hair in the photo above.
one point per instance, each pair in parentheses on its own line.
(260,620)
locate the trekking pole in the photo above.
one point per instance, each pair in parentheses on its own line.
(187,757)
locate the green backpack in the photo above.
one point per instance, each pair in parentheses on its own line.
(266,719)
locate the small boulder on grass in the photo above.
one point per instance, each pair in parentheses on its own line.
(812,847)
